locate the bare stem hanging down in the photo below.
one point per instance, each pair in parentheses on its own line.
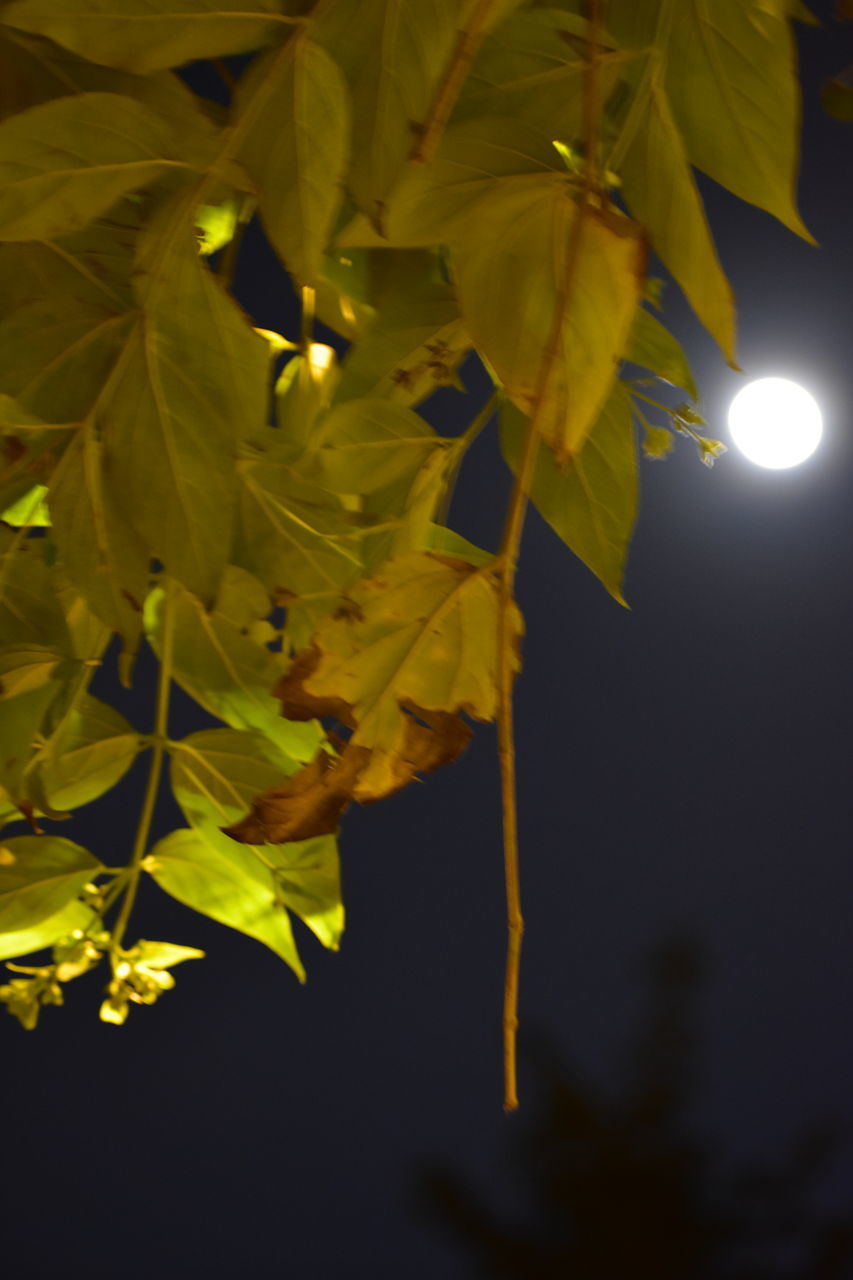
(507,563)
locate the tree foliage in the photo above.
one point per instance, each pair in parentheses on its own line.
(444,181)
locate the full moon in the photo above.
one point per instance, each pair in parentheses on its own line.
(775,423)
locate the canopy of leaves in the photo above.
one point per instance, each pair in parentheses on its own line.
(447,183)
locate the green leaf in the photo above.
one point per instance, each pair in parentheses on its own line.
(432,201)
(591,503)
(510,265)
(30,612)
(233,888)
(24,667)
(145,35)
(193,375)
(660,191)
(21,942)
(90,751)
(226,671)
(65,163)
(215,225)
(215,776)
(21,719)
(393,58)
(30,510)
(653,347)
(297,538)
(294,110)
(102,553)
(415,341)
(39,875)
(365,445)
(731,81)
(448,543)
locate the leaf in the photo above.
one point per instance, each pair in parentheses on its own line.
(65,163)
(660,191)
(432,201)
(24,667)
(591,503)
(215,775)
(193,374)
(294,109)
(39,875)
(226,671)
(21,719)
(91,750)
(307,805)
(653,347)
(368,444)
(392,58)
(233,888)
(216,772)
(415,341)
(145,35)
(21,942)
(30,510)
(102,553)
(730,77)
(448,543)
(510,266)
(415,646)
(297,538)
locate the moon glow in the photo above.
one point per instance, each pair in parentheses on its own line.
(775,423)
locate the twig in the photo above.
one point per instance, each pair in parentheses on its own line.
(467,44)
(507,561)
(158,750)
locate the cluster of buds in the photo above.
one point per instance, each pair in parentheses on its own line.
(141,975)
(24,997)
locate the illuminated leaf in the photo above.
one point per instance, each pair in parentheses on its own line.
(64,163)
(660,191)
(215,775)
(145,35)
(90,751)
(232,887)
(399,664)
(293,106)
(510,269)
(21,942)
(227,672)
(730,77)
(653,347)
(392,58)
(368,444)
(591,503)
(38,876)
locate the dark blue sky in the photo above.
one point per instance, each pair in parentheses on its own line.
(683,767)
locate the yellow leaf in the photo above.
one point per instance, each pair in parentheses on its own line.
(510,263)
(414,646)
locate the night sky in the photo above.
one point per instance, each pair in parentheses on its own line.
(684,772)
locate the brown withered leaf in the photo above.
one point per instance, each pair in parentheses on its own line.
(309,803)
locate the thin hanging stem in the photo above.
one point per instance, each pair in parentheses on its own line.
(158,750)
(507,561)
